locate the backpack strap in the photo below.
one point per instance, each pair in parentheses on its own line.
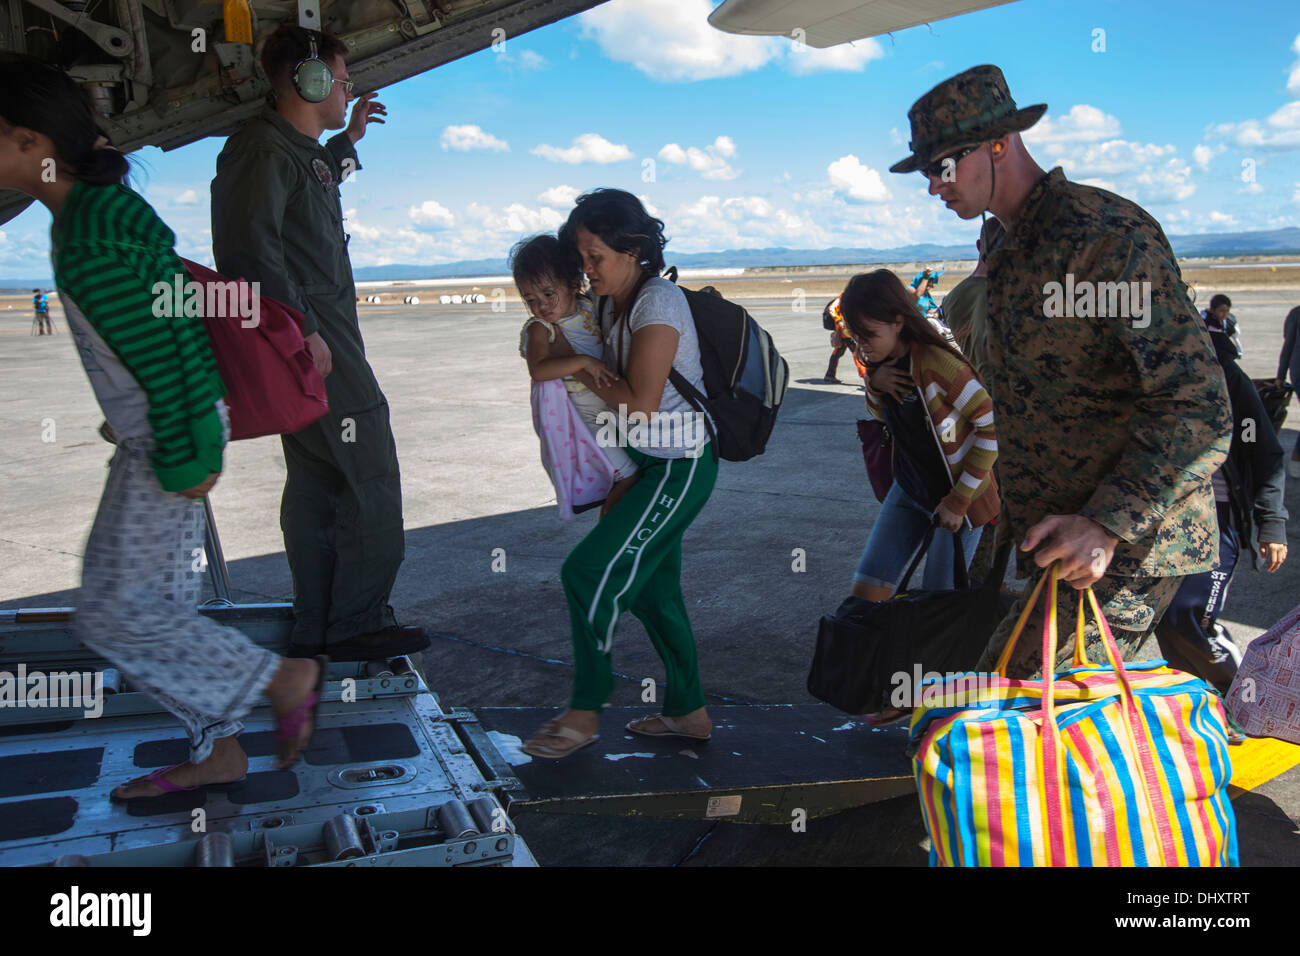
(693,398)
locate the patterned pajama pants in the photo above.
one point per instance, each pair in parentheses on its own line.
(139,590)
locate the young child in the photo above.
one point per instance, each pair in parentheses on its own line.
(561,338)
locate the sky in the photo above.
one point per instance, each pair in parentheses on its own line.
(1190,108)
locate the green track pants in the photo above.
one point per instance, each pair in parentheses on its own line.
(632,560)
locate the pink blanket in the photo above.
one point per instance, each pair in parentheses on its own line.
(578,467)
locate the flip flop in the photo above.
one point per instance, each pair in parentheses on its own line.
(290,725)
(886,718)
(674,729)
(166,786)
(552,729)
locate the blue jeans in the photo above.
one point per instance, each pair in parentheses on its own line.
(898,532)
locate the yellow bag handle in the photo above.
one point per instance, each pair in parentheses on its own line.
(1050,736)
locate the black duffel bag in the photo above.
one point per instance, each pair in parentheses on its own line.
(868,649)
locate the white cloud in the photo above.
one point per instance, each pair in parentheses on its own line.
(1114,157)
(1168,182)
(850,57)
(1202,154)
(1295,197)
(532,60)
(849,175)
(587,148)
(515,219)
(673,43)
(1278,131)
(1082,124)
(466,138)
(1221,219)
(1253,189)
(1293,81)
(432,213)
(187,198)
(559,196)
(710,162)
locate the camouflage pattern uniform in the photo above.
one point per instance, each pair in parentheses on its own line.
(1119,418)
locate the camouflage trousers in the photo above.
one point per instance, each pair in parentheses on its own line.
(1133,607)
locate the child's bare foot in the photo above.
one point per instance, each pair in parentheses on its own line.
(615,493)
(226,764)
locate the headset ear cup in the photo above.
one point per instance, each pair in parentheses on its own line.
(313,80)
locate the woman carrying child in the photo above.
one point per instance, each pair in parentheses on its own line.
(561,338)
(632,559)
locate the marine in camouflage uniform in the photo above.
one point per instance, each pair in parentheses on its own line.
(1113,414)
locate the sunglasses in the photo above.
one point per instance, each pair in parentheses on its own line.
(939,166)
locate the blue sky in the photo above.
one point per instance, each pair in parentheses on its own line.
(1192,109)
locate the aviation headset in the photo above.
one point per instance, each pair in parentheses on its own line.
(312,77)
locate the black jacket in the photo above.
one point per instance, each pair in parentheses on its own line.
(1255,471)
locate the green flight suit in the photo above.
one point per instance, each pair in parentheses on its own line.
(277,219)
(1110,403)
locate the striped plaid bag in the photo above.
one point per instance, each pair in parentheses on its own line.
(1125,765)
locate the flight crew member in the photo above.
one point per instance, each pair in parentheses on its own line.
(277,219)
(1112,410)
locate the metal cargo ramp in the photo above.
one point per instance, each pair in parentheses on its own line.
(763,763)
(386,781)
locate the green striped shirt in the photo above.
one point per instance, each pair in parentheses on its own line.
(110,249)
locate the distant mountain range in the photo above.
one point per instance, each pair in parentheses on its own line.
(1270,242)
(1267,242)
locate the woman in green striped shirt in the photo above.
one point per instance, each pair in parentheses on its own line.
(153,372)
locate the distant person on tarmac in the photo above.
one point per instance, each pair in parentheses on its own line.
(1219,318)
(1248,496)
(1288,364)
(157,383)
(632,559)
(41,308)
(841,342)
(277,219)
(1109,425)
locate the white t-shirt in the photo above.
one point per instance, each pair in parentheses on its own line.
(676,429)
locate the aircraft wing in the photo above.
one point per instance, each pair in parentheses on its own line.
(164,73)
(828,22)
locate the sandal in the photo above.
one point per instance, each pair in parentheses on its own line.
(673,729)
(886,718)
(555,729)
(166,786)
(289,727)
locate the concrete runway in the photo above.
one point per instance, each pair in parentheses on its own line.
(473,483)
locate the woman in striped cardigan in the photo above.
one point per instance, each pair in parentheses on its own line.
(941,419)
(156,381)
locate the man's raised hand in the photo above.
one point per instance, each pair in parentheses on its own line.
(365,110)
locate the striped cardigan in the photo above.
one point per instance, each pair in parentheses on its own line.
(961,420)
(109,251)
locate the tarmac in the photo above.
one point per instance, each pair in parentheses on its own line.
(772,551)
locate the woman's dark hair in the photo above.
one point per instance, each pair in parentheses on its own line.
(881,297)
(290,44)
(546,257)
(1219,300)
(42,98)
(621,222)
